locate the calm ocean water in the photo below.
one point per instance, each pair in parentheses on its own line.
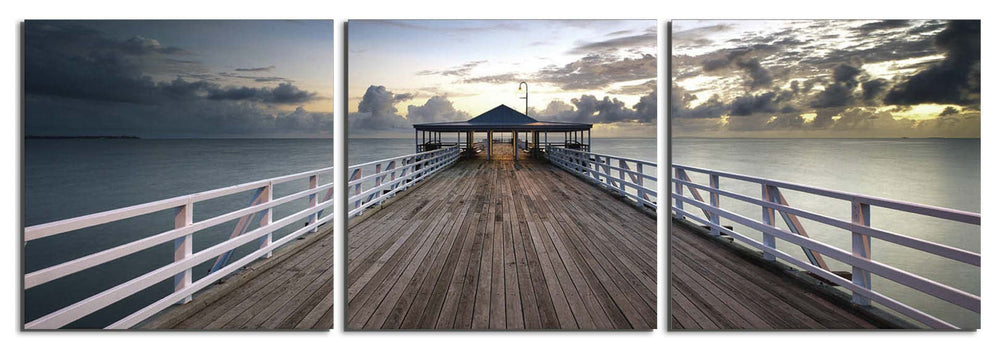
(69,178)
(939,172)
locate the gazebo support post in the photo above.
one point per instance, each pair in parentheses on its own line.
(513,142)
(489,145)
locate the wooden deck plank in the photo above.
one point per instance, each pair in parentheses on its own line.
(714,287)
(511,248)
(276,293)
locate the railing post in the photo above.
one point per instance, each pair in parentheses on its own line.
(378,182)
(183,248)
(767,217)
(392,176)
(713,181)
(356,175)
(313,183)
(404,167)
(621,176)
(268,215)
(861,247)
(641,194)
(678,188)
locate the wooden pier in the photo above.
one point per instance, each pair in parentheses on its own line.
(499,244)
(714,286)
(717,283)
(282,280)
(291,290)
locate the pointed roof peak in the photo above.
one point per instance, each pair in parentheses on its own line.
(502,115)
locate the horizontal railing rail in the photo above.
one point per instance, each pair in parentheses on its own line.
(371,183)
(623,175)
(180,268)
(859,258)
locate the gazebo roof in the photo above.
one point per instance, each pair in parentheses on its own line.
(502,118)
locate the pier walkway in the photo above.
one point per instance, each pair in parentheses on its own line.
(714,287)
(727,270)
(274,271)
(291,290)
(502,244)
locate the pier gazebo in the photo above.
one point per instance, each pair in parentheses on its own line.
(427,136)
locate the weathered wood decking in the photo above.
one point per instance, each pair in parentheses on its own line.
(713,287)
(291,290)
(502,245)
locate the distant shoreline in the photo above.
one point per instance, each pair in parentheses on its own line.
(82,137)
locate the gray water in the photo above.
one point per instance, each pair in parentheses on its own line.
(69,178)
(938,172)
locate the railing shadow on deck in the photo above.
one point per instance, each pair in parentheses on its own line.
(259,210)
(859,258)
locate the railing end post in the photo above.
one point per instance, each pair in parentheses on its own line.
(183,248)
(861,247)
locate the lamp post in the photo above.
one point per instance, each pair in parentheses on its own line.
(525,84)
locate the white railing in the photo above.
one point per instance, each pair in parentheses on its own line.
(859,258)
(371,183)
(620,174)
(182,235)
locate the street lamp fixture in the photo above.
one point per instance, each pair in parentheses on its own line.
(525,98)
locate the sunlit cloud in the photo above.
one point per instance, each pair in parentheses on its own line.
(825,78)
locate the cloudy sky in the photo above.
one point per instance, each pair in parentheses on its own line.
(826,78)
(405,72)
(174,79)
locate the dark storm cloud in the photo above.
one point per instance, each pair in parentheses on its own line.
(955,80)
(768,102)
(841,91)
(144,46)
(695,38)
(874,88)
(257,69)
(400,97)
(598,72)
(590,109)
(635,89)
(745,60)
(883,25)
(50,115)
(77,80)
(849,101)
(254,78)
(647,39)
(680,100)
(284,93)
(948,111)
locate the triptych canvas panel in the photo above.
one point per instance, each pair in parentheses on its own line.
(501,175)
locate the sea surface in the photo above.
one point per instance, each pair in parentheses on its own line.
(938,172)
(66,178)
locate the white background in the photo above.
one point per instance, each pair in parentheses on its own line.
(337,340)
